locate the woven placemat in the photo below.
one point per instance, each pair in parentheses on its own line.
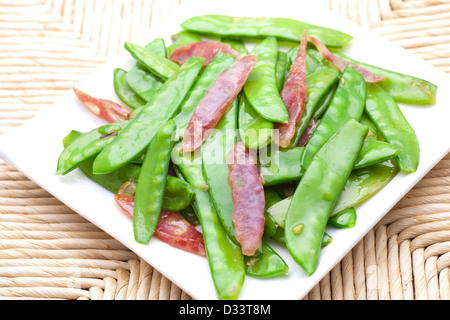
(48,251)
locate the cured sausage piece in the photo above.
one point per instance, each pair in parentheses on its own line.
(171,228)
(294,96)
(105,109)
(340,63)
(202,49)
(248,197)
(216,101)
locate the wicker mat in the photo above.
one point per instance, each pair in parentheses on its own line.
(49,252)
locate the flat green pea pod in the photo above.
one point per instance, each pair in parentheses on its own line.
(393,126)
(261,89)
(237,45)
(140,131)
(161,67)
(224,255)
(325,102)
(348,103)
(281,166)
(177,194)
(270,225)
(257,28)
(374,151)
(124,91)
(280,69)
(88,145)
(344,220)
(180,38)
(402,88)
(318,191)
(266,263)
(207,78)
(151,184)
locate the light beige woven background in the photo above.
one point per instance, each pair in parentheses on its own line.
(49,252)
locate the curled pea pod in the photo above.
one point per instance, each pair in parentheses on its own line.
(177,194)
(257,28)
(344,219)
(317,193)
(281,165)
(348,103)
(224,255)
(265,263)
(124,91)
(261,88)
(394,127)
(140,131)
(374,151)
(152,183)
(88,145)
(270,226)
(161,67)
(207,78)
(401,87)
(280,69)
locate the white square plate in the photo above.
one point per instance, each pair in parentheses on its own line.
(34,149)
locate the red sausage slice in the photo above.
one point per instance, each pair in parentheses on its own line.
(248,198)
(217,101)
(171,228)
(340,63)
(294,95)
(105,109)
(202,49)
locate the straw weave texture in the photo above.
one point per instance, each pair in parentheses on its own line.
(48,251)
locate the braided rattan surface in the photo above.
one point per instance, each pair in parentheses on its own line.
(48,251)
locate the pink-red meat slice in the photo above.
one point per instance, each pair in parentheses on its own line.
(248,198)
(216,102)
(201,49)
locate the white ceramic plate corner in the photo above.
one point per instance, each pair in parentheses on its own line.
(34,149)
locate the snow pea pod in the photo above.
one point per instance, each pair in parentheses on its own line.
(374,151)
(237,45)
(88,145)
(161,67)
(161,108)
(393,126)
(280,69)
(124,91)
(317,193)
(177,194)
(207,78)
(403,88)
(261,89)
(281,166)
(344,219)
(224,255)
(152,183)
(348,103)
(266,263)
(257,28)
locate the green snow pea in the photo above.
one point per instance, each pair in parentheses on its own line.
(317,193)
(181,38)
(325,101)
(161,67)
(374,151)
(257,28)
(151,183)
(393,126)
(224,255)
(161,108)
(206,79)
(177,194)
(143,83)
(124,91)
(215,168)
(364,183)
(281,166)
(403,88)
(237,45)
(280,69)
(88,145)
(270,225)
(265,263)
(348,103)
(344,219)
(261,88)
